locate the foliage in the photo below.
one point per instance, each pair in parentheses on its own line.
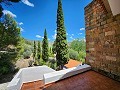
(27,54)
(34,51)
(82,55)
(73,54)
(1,9)
(45,51)
(78,45)
(52,63)
(61,39)
(9,32)
(9,38)
(54,47)
(51,52)
(6,62)
(25,48)
(30,63)
(39,51)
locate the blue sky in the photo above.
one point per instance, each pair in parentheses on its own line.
(34,16)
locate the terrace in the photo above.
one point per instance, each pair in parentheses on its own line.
(31,77)
(102,30)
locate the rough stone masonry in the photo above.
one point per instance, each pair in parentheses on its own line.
(102,39)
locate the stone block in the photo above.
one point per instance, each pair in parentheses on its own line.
(118,17)
(91,43)
(113,23)
(111,58)
(91,49)
(118,71)
(109,20)
(109,33)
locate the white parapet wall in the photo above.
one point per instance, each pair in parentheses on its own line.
(16,82)
(62,74)
(28,75)
(44,73)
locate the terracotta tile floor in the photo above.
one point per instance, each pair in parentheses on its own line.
(36,85)
(89,80)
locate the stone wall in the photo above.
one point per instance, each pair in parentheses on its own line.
(102,39)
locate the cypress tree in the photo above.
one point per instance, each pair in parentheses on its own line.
(50,50)
(45,50)
(39,50)
(34,51)
(54,47)
(61,39)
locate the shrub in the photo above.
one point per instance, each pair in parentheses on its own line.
(82,55)
(6,62)
(73,54)
(30,63)
(4,70)
(27,54)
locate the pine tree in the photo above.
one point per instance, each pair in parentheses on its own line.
(61,39)
(39,50)
(9,32)
(34,51)
(45,50)
(9,42)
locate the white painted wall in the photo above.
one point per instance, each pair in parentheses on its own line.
(28,75)
(44,73)
(58,75)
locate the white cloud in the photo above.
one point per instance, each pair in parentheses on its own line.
(49,39)
(28,3)
(10,13)
(81,29)
(71,37)
(79,33)
(84,39)
(55,31)
(38,36)
(72,34)
(21,23)
(54,36)
(21,29)
(66,33)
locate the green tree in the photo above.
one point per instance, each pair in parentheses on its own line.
(34,51)
(54,47)
(9,32)
(45,50)
(39,50)
(61,39)
(50,50)
(73,54)
(78,45)
(9,38)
